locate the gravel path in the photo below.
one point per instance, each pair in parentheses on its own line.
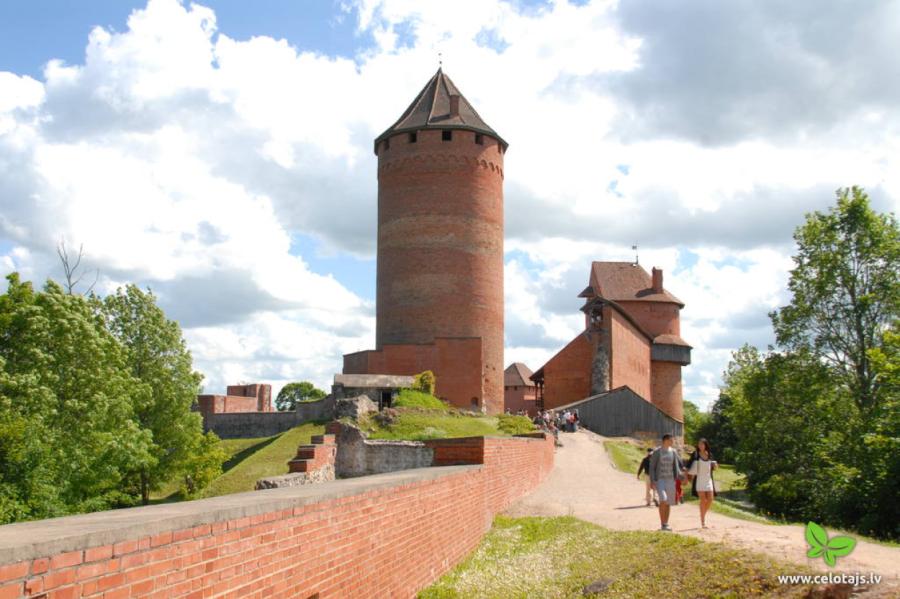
(585,484)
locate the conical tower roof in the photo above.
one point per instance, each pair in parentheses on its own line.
(431,110)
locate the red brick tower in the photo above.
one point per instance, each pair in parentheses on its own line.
(440,246)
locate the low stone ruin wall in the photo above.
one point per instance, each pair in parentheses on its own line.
(247,425)
(358,456)
(297,479)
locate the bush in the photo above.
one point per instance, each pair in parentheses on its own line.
(410,398)
(511,424)
(425,382)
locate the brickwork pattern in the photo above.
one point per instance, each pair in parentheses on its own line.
(520,398)
(456,363)
(630,360)
(387,541)
(567,375)
(440,248)
(667,390)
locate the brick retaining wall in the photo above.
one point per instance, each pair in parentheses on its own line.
(377,536)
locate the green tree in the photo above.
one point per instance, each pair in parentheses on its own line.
(845,290)
(791,423)
(694,422)
(425,382)
(719,429)
(203,465)
(157,356)
(294,393)
(878,457)
(66,404)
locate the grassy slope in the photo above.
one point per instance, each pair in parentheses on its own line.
(417,425)
(557,557)
(421,416)
(269,457)
(250,460)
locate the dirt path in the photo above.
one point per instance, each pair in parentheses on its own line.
(585,484)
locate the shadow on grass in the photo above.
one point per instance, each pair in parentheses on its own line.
(247,452)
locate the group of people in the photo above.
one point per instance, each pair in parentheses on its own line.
(665,471)
(553,421)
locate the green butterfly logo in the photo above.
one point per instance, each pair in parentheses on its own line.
(828,549)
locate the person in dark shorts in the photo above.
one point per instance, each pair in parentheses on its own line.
(644,468)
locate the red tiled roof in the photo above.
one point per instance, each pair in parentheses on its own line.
(626,282)
(667,339)
(431,110)
(517,375)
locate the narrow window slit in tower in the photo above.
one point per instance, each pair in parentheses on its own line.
(387,144)
(479,139)
(446,135)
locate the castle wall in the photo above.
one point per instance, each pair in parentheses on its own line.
(250,425)
(260,391)
(520,397)
(440,247)
(388,535)
(456,363)
(667,390)
(567,375)
(630,355)
(226,404)
(657,318)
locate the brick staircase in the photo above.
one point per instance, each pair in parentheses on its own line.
(320,452)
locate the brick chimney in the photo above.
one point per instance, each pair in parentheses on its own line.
(657,280)
(454,105)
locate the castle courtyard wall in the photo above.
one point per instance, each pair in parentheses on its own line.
(387,535)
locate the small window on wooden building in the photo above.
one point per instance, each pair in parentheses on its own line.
(479,139)
(446,135)
(413,138)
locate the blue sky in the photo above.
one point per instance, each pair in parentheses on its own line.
(35,31)
(233,173)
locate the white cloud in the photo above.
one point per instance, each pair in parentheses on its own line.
(186,159)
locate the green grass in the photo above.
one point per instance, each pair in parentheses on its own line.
(248,461)
(558,557)
(269,457)
(408,398)
(419,416)
(625,455)
(416,425)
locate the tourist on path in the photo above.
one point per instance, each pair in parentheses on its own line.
(644,468)
(700,467)
(665,467)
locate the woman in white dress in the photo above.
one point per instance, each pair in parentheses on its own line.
(701,467)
